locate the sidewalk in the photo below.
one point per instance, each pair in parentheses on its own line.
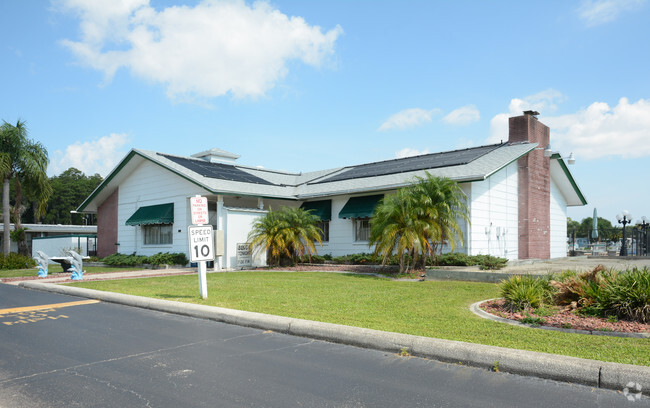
(576,263)
(65,277)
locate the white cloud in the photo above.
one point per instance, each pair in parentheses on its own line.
(596,12)
(408,152)
(595,132)
(543,102)
(99,156)
(463,115)
(211,49)
(600,130)
(408,118)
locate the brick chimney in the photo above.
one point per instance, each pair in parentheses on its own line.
(534,172)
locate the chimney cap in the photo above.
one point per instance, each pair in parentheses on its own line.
(531,112)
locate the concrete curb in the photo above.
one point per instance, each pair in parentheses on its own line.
(561,368)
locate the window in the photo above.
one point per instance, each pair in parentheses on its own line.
(325,230)
(158,234)
(361,229)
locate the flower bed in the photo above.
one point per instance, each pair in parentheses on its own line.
(564,319)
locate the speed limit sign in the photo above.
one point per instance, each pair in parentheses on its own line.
(201,243)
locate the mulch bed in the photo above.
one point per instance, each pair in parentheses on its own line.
(566,319)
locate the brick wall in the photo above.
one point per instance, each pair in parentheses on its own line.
(534,188)
(107,226)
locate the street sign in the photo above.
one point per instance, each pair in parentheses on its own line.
(201,243)
(199,210)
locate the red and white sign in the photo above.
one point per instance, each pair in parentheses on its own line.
(199,210)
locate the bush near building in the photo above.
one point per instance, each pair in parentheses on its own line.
(161,258)
(450,259)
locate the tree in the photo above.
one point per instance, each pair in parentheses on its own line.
(444,204)
(399,226)
(605,228)
(419,219)
(572,225)
(69,188)
(23,162)
(287,233)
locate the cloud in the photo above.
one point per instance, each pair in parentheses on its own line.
(211,49)
(544,102)
(463,115)
(596,12)
(408,118)
(594,132)
(408,152)
(600,130)
(99,156)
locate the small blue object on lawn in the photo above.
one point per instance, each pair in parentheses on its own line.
(42,261)
(76,266)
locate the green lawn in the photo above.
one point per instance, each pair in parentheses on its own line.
(434,308)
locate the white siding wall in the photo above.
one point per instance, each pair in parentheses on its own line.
(239,223)
(494,214)
(558,223)
(460,246)
(342,233)
(150,184)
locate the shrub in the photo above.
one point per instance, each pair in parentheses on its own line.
(627,295)
(581,288)
(454,259)
(160,258)
(523,292)
(532,320)
(16,261)
(461,259)
(167,258)
(315,259)
(489,262)
(124,260)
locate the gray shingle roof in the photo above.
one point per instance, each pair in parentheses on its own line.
(220,178)
(414,163)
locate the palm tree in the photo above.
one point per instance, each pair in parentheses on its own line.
(418,219)
(444,204)
(286,233)
(24,162)
(398,226)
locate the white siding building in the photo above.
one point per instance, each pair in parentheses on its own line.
(516,195)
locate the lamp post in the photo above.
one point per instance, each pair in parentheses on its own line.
(643,225)
(624,218)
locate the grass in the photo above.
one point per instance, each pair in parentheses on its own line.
(437,309)
(14,273)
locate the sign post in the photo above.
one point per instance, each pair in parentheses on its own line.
(201,240)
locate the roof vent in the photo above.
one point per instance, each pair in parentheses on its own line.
(217,156)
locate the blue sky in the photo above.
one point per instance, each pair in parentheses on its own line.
(310,85)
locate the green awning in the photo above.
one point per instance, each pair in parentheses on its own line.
(153,214)
(321,209)
(360,207)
